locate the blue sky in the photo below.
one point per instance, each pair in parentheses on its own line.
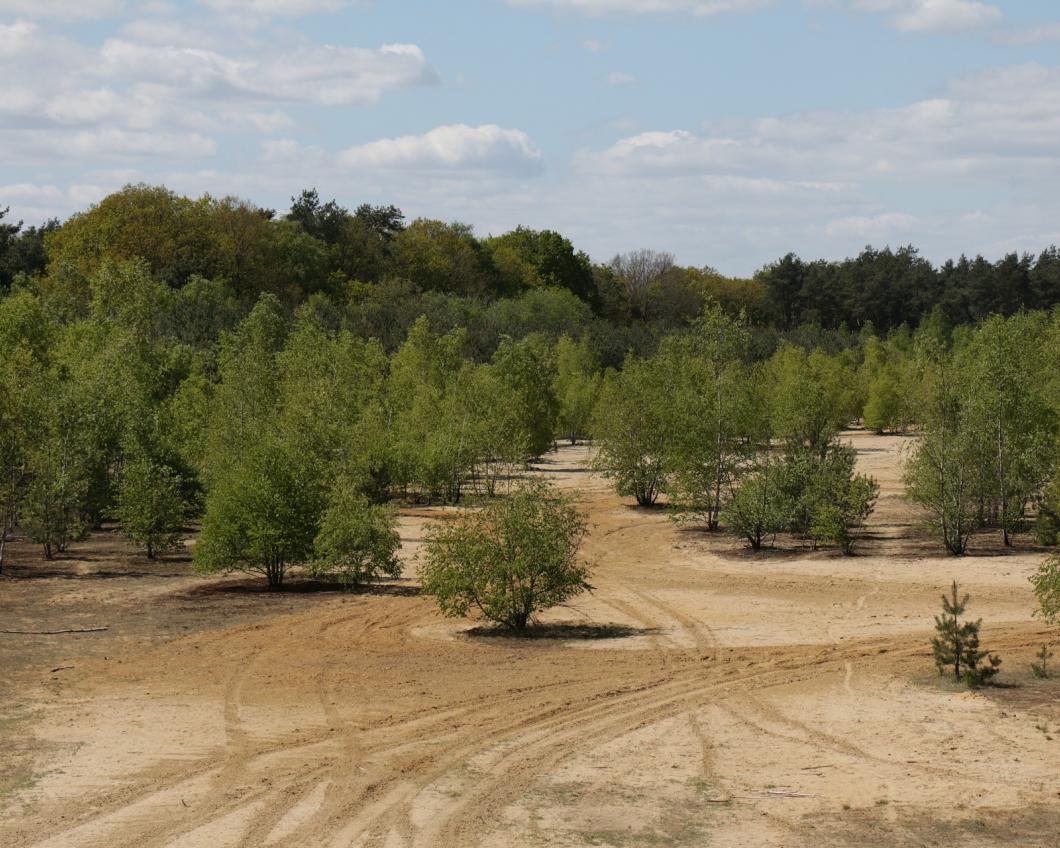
(725,131)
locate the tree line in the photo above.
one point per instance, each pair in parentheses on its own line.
(286,379)
(396,270)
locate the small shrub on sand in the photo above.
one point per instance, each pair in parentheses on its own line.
(509,560)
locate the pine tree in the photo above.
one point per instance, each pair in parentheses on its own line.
(1040,669)
(957,644)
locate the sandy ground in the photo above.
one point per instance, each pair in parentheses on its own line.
(701,696)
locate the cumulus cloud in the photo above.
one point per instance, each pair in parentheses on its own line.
(290,8)
(924,15)
(999,123)
(62,9)
(457,147)
(874,227)
(168,32)
(320,74)
(37,202)
(160,92)
(103,144)
(146,94)
(700,8)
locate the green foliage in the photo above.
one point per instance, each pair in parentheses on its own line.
(630,422)
(760,507)
(484,415)
(527,367)
(988,446)
(1012,430)
(576,387)
(533,258)
(1046,583)
(128,296)
(54,507)
(357,541)
(442,257)
(262,516)
(550,312)
(243,409)
(711,421)
(883,409)
(150,505)
(422,361)
(833,501)
(509,560)
(23,322)
(177,238)
(1047,527)
(1040,669)
(957,644)
(940,474)
(21,377)
(810,397)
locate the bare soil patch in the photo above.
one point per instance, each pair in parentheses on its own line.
(700,696)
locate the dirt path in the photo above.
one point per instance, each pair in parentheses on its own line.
(708,697)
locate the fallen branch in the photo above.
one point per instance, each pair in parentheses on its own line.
(61,668)
(54,632)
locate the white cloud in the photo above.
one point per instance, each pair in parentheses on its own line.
(700,8)
(593,46)
(318,74)
(101,144)
(875,227)
(168,33)
(620,78)
(62,9)
(999,124)
(945,15)
(923,15)
(457,147)
(290,8)
(26,41)
(37,202)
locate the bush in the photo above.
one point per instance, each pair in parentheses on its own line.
(839,500)
(630,421)
(760,507)
(883,409)
(261,517)
(509,560)
(150,506)
(1046,583)
(357,541)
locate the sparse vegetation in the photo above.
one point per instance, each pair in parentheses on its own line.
(1041,669)
(1046,584)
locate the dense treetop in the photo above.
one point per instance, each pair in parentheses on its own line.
(373,255)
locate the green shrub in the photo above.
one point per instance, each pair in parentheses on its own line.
(509,560)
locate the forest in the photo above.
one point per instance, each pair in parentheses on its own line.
(286,379)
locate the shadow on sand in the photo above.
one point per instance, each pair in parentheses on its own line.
(562,630)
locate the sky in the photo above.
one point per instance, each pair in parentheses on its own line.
(728,132)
